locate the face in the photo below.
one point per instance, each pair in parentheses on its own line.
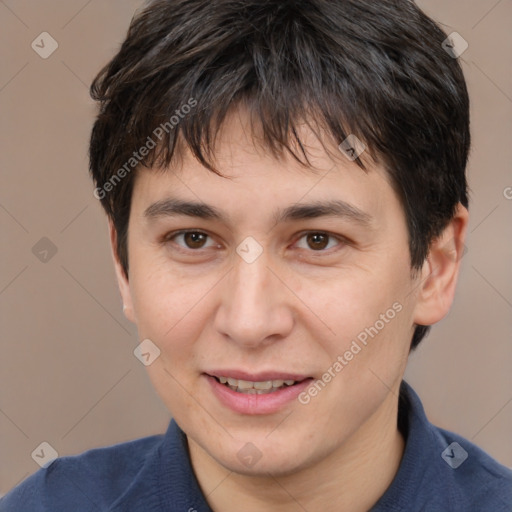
(271,289)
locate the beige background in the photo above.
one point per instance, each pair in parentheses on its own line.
(68,374)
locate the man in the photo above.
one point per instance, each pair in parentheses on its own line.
(286,193)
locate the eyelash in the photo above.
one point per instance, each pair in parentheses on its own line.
(171,236)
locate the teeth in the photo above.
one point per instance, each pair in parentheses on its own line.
(255,388)
(245,384)
(266,384)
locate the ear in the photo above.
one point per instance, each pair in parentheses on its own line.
(440,271)
(122,278)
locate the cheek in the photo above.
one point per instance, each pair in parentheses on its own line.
(371,319)
(169,308)
(170,312)
(367,354)
(358,305)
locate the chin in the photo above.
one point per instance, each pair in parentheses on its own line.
(277,466)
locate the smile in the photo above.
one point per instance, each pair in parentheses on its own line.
(249,394)
(254,387)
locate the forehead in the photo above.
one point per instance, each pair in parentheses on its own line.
(255,180)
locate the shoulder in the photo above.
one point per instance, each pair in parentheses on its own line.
(441,470)
(481,482)
(88,481)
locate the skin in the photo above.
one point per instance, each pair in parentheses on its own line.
(295,309)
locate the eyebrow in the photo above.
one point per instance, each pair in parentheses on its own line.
(171,207)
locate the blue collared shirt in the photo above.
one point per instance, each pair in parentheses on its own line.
(440,472)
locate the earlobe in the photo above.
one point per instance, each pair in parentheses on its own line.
(440,271)
(122,278)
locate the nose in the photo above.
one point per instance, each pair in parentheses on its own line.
(255,307)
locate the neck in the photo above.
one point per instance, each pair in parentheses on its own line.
(352,478)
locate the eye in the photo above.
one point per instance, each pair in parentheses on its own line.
(192,239)
(318,241)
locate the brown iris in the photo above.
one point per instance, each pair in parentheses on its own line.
(194,240)
(318,241)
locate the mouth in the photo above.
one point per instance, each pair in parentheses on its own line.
(262,387)
(262,393)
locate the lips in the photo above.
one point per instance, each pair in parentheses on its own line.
(261,393)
